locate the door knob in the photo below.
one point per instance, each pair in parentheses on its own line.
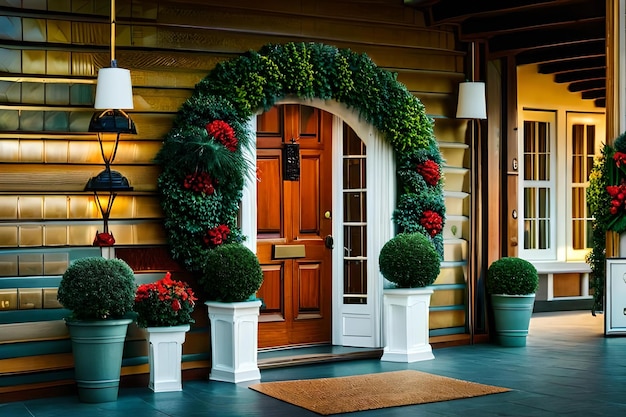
(329,242)
(327,215)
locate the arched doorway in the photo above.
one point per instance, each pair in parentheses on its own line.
(359,188)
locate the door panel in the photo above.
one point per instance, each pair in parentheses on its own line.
(297,289)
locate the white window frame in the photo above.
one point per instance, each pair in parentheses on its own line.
(585,118)
(550,253)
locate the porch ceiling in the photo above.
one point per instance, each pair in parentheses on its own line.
(565,38)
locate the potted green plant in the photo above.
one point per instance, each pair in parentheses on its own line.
(230,278)
(99,293)
(511,283)
(164,309)
(410,262)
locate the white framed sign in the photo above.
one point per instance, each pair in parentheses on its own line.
(615,297)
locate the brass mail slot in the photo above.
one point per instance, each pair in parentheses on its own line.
(288,251)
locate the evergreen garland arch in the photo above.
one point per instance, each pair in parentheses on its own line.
(204,169)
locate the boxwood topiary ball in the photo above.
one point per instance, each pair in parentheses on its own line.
(512,276)
(231,273)
(96,288)
(409,260)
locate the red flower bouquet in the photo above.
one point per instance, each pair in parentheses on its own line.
(429,170)
(223,133)
(217,235)
(432,222)
(164,303)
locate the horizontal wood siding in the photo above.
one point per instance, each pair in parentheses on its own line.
(49,58)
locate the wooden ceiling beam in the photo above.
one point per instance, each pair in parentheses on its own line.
(512,43)
(573,64)
(573,76)
(561,52)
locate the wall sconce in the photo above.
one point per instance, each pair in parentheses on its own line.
(472,104)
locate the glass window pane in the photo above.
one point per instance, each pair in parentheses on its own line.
(578,237)
(591,139)
(529,167)
(355,241)
(577,169)
(354,206)
(544,202)
(542,137)
(529,203)
(529,234)
(544,234)
(354,173)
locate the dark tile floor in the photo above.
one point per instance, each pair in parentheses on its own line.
(568,368)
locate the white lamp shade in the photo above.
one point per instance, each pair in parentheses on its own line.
(114,89)
(472,103)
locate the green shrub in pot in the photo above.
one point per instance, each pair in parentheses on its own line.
(231,273)
(512,276)
(96,288)
(512,283)
(100,294)
(409,260)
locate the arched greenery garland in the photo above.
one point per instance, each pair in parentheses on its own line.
(204,169)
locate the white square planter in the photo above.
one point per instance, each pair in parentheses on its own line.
(165,356)
(234,341)
(406,325)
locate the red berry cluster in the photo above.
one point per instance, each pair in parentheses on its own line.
(199,182)
(618,197)
(432,222)
(429,169)
(217,235)
(222,132)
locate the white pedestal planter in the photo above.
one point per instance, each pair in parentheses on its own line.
(234,341)
(165,357)
(406,325)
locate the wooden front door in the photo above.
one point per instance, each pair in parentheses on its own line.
(293,221)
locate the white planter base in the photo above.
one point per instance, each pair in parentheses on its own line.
(234,341)
(406,325)
(165,357)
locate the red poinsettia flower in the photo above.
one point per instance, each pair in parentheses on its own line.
(429,170)
(166,302)
(223,133)
(432,222)
(217,235)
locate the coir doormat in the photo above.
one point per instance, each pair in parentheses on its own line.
(328,396)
